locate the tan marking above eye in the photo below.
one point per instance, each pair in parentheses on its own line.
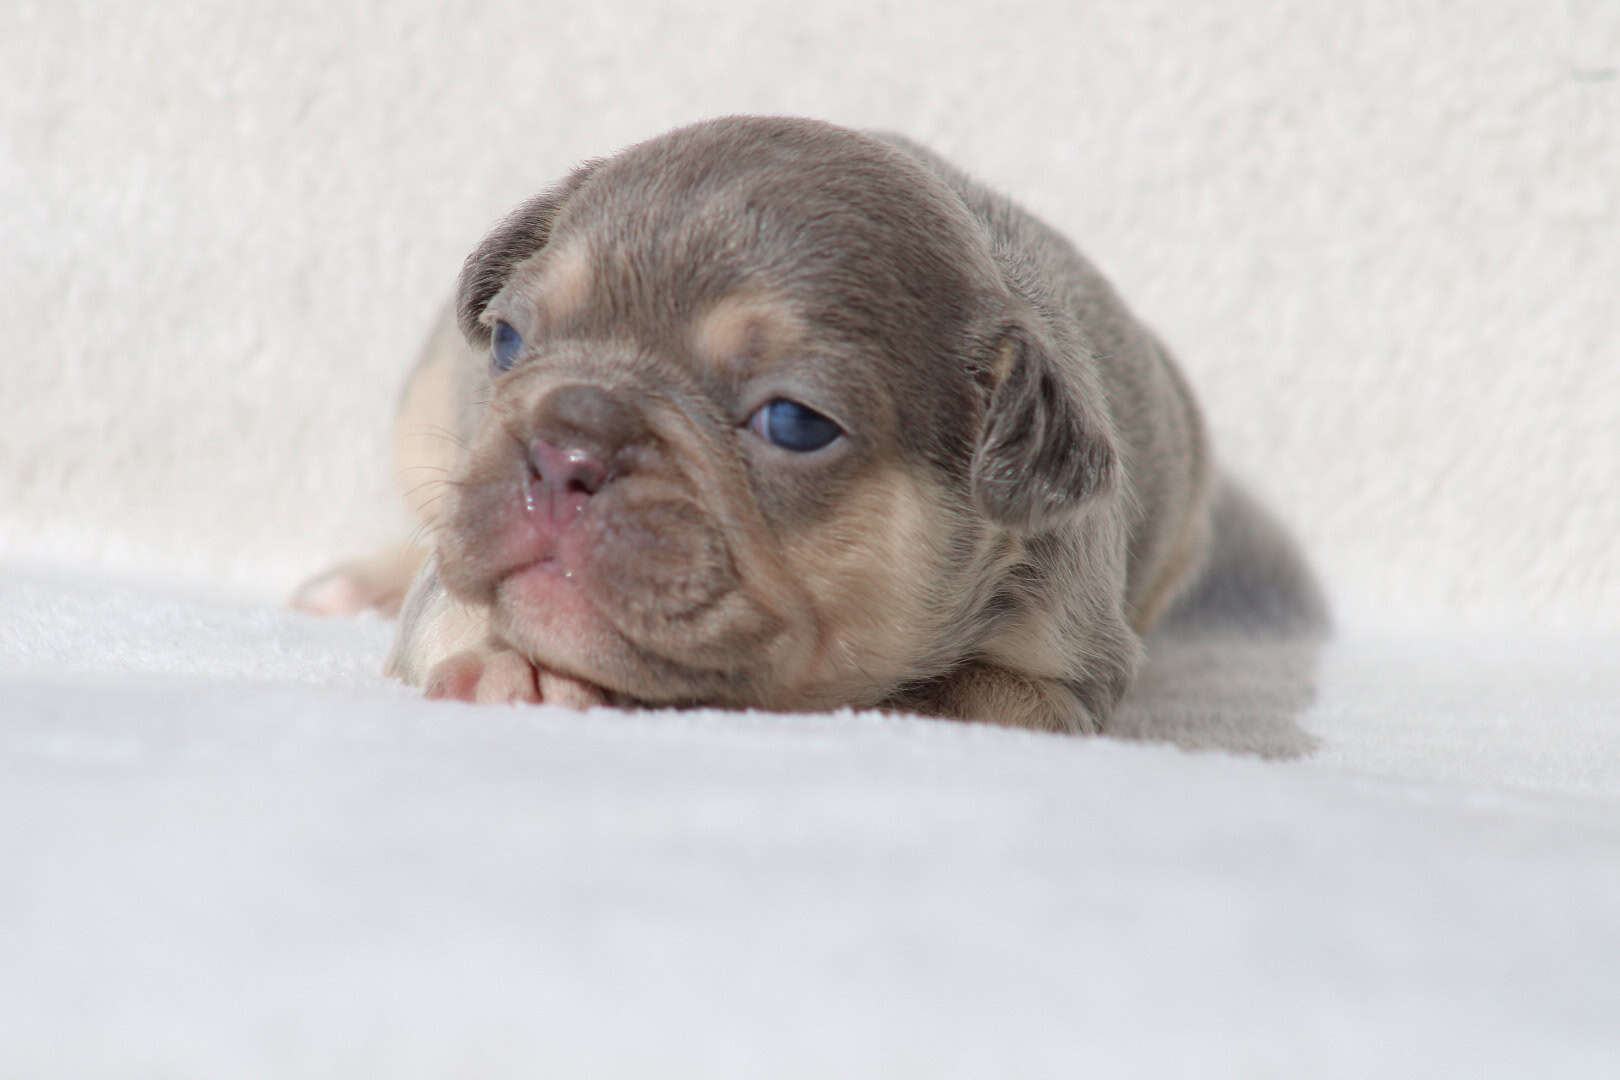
(565,280)
(1001,366)
(744,328)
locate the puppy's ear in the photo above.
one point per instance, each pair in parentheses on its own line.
(1041,453)
(519,235)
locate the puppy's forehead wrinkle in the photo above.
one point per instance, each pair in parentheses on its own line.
(796,214)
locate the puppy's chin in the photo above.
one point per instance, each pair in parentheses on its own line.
(559,620)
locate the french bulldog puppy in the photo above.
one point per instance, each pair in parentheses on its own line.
(770,413)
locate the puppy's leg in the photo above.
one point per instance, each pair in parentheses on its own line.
(433,626)
(379,581)
(997,695)
(425,445)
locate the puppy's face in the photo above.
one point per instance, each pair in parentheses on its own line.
(738,380)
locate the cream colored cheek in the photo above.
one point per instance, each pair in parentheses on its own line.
(870,574)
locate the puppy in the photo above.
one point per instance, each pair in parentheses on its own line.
(769,413)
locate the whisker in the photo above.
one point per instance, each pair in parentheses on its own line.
(426,531)
(427,504)
(434,431)
(423,484)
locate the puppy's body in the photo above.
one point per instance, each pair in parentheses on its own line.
(1019,482)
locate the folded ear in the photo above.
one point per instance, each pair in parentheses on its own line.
(519,235)
(1041,453)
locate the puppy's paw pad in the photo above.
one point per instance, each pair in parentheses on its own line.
(483,677)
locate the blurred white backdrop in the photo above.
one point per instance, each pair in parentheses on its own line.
(1384,242)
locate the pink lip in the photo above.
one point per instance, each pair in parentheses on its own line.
(544,577)
(546,609)
(535,543)
(538,530)
(549,567)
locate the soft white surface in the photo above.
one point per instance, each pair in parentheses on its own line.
(1383,239)
(232,852)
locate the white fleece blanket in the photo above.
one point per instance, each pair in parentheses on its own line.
(1382,242)
(231,850)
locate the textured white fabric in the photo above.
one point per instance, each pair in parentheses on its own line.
(231,851)
(1382,241)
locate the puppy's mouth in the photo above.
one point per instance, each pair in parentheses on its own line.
(543,601)
(629,589)
(545,611)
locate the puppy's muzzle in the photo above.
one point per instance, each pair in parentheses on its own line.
(581,433)
(576,522)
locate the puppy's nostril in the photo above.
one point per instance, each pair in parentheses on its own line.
(569,469)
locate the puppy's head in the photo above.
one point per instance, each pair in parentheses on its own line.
(765,423)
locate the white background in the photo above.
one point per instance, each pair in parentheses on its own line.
(1384,239)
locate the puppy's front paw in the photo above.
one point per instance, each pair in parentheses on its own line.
(995,695)
(484,677)
(496,676)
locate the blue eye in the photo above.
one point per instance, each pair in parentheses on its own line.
(793,426)
(505,344)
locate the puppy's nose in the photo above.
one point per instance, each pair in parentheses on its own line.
(579,430)
(570,470)
(588,417)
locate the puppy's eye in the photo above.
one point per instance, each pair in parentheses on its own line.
(792,426)
(505,344)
